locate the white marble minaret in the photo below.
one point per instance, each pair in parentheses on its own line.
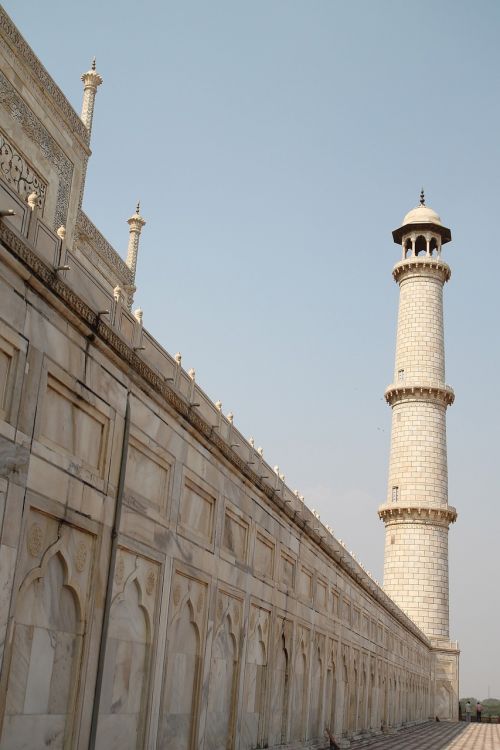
(416,513)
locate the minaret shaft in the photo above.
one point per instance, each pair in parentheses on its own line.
(416,512)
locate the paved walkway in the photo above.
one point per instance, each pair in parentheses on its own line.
(438,736)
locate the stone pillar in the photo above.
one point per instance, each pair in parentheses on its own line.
(91,81)
(136,223)
(416,512)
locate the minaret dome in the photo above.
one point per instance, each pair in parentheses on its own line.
(421,232)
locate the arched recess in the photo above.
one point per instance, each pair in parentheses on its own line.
(361,724)
(420,245)
(278,727)
(385,699)
(300,693)
(126,671)
(222,687)
(346,691)
(433,246)
(255,686)
(316,727)
(45,655)
(371,700)
(178,728)
(330,696)
(353,699)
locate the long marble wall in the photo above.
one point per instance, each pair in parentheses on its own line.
(160,586)
(229,626)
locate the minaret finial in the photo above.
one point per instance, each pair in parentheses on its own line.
(93,63)
(138,209)
(422,197)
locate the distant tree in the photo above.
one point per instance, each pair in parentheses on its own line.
(491,707)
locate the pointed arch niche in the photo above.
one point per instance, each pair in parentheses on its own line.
(179,719)
(44,657)
(124,697)
(280,694)
(224,671)
(299,704)
(255,681)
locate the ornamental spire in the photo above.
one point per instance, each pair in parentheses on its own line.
(422,197)
(136,223)
(91,81)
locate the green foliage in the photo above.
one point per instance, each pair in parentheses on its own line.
(491,707)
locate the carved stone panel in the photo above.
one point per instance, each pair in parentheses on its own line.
(36,132)
(224,673)
(178,728)
(49,623)
(17,172)
(124,698)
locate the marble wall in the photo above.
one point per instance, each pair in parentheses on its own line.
(223,613)
(228,627)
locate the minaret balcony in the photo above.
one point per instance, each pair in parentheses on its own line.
(421,265)
(420,391)
(398,512)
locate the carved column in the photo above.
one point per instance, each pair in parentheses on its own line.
(91,81)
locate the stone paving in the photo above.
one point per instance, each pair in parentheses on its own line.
(438,736)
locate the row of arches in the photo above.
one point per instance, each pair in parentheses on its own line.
(421,245)
(230,679)
(281,688)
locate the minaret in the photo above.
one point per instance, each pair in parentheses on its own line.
(416,513)
(91,80)
(136,223)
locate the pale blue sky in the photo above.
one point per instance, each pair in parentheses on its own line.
(274,146)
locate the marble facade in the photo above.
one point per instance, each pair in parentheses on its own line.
(146,547)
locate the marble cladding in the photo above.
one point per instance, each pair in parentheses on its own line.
(229,627)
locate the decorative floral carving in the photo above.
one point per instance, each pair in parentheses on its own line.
(200,603)
(177,595)
(18,110)
(120,571)
(35,537)
(81,556)
(18,172)
(150,581)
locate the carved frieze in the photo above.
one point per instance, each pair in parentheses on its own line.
(18,172)
(36,132)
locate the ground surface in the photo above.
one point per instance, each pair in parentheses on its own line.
(439,736)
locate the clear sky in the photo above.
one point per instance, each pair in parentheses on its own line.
(274,145)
